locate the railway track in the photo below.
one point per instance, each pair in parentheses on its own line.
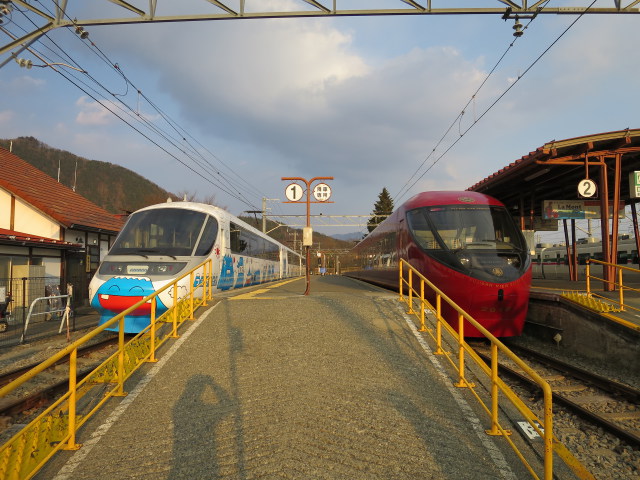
(48,386)
(600,401)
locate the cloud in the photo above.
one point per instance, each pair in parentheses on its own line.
(6,116)
(21,83)
(93,113)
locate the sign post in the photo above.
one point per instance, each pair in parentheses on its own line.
(294,193)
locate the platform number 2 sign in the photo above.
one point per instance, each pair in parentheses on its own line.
(587,188)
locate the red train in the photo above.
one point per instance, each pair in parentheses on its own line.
(468,245)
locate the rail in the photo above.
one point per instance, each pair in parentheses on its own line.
(414,283)
(56,428)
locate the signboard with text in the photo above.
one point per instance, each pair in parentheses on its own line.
(575,209)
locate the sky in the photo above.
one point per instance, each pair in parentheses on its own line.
(224,109)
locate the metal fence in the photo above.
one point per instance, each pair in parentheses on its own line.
(33,307)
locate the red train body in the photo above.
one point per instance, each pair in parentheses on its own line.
(468,245)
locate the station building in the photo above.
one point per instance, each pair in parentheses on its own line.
(50,236)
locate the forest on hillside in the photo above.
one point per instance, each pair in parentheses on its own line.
(112,187)
(119,190)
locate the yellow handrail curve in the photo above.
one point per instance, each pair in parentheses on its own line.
(409,279)
(54,429)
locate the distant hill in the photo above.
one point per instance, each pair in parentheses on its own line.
(112,187)
(120,190)
(349,237)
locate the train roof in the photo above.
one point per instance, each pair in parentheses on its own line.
(427,199)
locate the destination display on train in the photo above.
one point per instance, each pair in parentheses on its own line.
(575,209)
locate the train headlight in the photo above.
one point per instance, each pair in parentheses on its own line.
(513,261)
(465,260)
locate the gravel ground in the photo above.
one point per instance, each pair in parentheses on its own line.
(605,456)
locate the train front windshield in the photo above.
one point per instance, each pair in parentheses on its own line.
(167,231)
(481,241)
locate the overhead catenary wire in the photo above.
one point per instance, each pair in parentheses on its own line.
(408,187)
(194,155)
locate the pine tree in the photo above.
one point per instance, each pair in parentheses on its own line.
(384,206)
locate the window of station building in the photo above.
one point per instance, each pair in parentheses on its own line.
(208,237)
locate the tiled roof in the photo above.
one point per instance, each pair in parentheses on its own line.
(13,237)
(52,198)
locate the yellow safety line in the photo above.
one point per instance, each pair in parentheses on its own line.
(253,293)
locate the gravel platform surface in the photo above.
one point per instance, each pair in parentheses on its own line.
(274,384)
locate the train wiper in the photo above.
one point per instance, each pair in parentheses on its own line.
(153,250)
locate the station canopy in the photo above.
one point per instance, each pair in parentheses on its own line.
(555,171)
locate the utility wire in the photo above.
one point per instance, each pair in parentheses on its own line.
(136,116)
(504,93)
(406,188)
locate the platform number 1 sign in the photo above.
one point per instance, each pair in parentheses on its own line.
(293,192)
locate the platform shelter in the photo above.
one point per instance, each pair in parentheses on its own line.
(577,178)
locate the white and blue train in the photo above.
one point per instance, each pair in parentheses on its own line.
(162,242)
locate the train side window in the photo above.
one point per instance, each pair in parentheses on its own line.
(622,258)
(237,246)
(582,258)
(634,256)
(208,237)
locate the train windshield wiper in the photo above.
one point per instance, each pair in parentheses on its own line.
(142,252)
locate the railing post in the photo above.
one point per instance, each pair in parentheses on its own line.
(401,279)
(588,278)
(548,433)
(494,391)
(422,327)
(621,288)
(174,334)
(152,340)
(461,380)
(120,390)
(439,350)
(191,295)
(73,366)
(410,281)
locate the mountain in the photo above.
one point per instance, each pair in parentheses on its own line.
(112,187)
(349,237)
(120,190)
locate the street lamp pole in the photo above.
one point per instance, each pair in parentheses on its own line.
(294,198)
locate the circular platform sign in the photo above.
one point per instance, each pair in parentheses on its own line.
(293,192)
(322,192)
(587,188)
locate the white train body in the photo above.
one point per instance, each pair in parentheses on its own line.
(161,242)
(550,261)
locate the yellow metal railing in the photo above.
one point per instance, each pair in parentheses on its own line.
(618,283)
(55,428)
(414,283)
